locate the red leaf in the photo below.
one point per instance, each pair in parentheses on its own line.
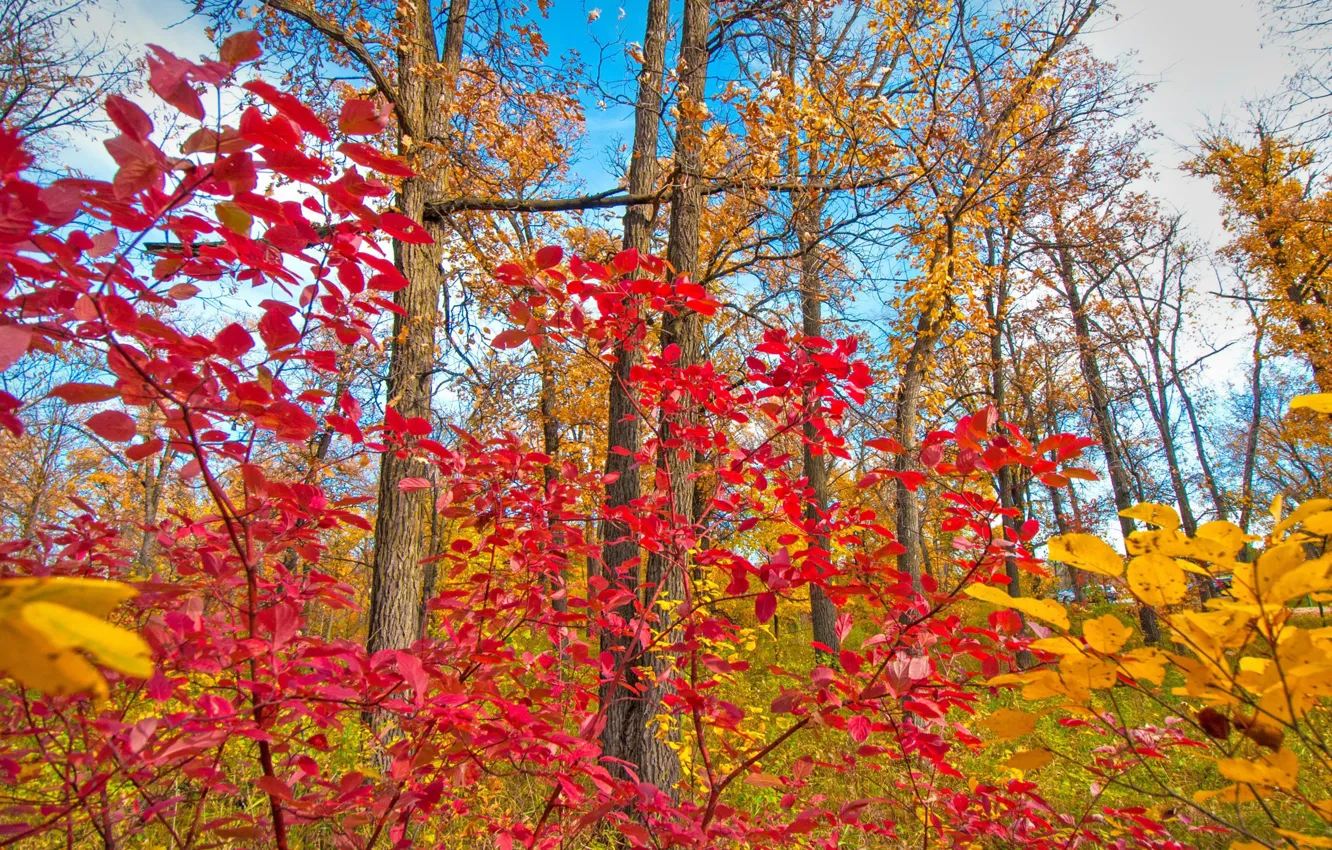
(143,450)
(113,425)
(104,243)
(388,282)
(360,117)
(511,338)
(850,811)
(76,393)
(403,229)
(765,605)
(277,331)
(129,118)
(885,444)
(1080,474)
(413,673)
(626,261)
(291,107)
(549,256)
(13,342)
(859,728)
(274,787)
(371,158)
(409,485)
(931,455)
(233,341)
(240,47)
(167,78)
(1028,529)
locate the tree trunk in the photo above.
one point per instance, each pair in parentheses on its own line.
(665,577)
(152,499)
(403,518)
(823,614)
(807,223)
(550,447)
(1099,397)
(996,305)
(1255,423)
(929,330)
(624,701)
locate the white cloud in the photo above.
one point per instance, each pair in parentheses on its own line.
(1207,58)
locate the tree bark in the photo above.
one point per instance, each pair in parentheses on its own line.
(666,568)
(153,479)
(807,223)
(403,518)
(823,614)
(996,306)
(550,447)
(622,737)
(1255,423)
(1099,397)
(930,326)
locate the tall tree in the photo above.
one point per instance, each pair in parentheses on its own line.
(625,700)
(423,99)
(966,159)
(1280,217)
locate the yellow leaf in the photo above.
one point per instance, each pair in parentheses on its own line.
(1042,609)
(1306,840)
(1273,770)
(1146,663)
(1058,645)
(92,596)
(1037,684)
(1228,533)
(1107,635)
(1209,632)
(1307,508)
(1028,760)
(29,658)
(1309,577)
(1087,552)
(1317,402)
(1177,545)
(1083,673)
(1190,567)
(44,623)
(1319,525)
(1274,510)
(68,628)
(1157,580)
(1252,582)
(1153,514)
(237,220)
(1007,724)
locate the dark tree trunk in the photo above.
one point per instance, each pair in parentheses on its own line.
(1251,438)
(823,614)
(625,701)
(666,568)
(996,306)
(403,517)
(154,472)
(1099,397)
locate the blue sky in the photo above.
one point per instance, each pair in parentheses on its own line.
(1207,56)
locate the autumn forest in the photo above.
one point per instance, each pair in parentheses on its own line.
(696,424)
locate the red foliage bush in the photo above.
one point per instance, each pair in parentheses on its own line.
(247,706)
